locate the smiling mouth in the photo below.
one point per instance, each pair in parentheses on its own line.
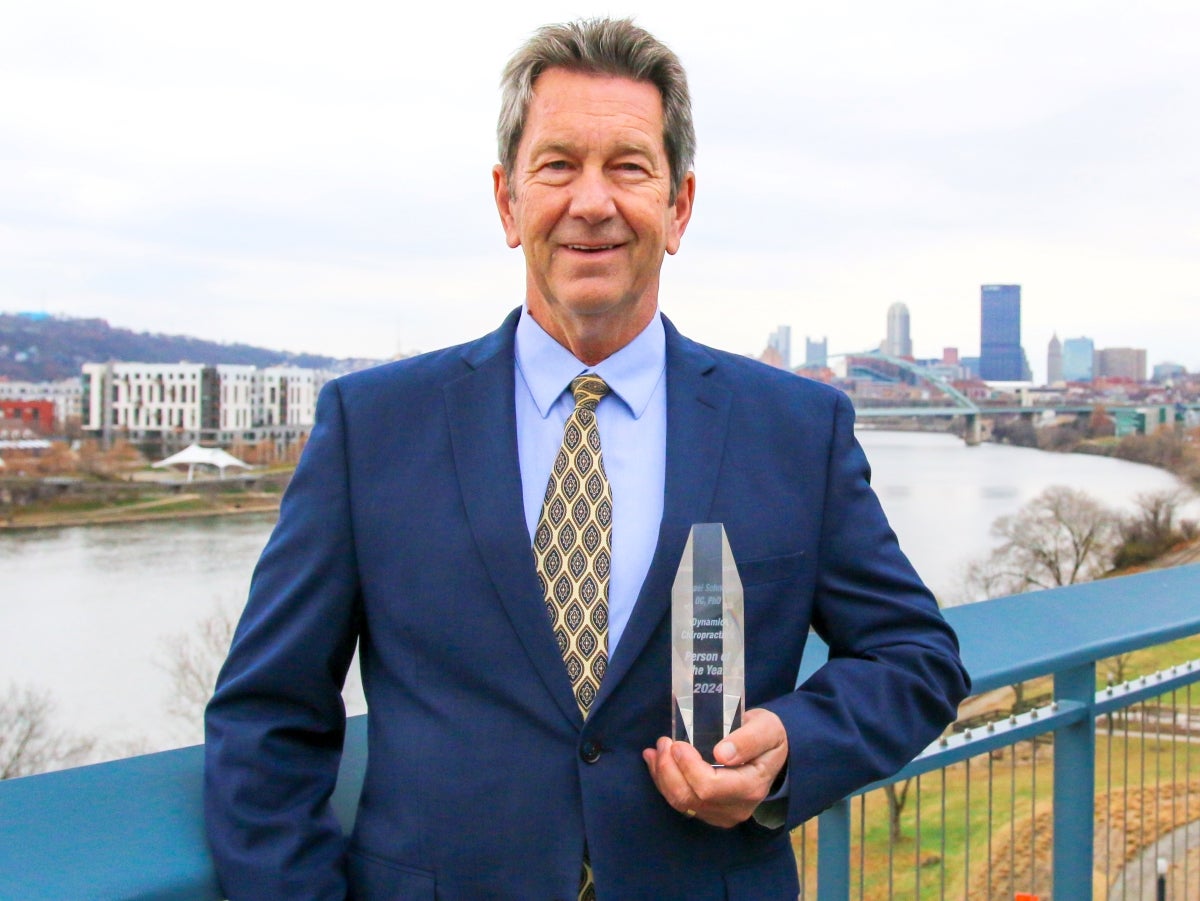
(592,248)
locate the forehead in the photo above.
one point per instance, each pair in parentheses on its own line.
(589,105)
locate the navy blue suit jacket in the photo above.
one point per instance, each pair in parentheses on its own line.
(403,530)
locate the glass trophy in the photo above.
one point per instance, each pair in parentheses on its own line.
(708,665)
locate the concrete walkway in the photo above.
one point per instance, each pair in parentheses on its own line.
(1139,880)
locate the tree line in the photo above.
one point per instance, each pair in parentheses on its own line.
(1064,536)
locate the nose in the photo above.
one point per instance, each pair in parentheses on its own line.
(592,196)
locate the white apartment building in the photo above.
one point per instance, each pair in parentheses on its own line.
(235,389)
(142,398)
(287,395)
(219,403)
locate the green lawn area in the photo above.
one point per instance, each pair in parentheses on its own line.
(1151,660)
(1138,775)
(75,504)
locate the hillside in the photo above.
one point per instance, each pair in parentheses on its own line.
(37,348)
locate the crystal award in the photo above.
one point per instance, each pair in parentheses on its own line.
(708,667)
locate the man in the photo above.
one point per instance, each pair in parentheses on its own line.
(517,717)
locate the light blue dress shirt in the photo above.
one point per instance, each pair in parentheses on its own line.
(633,442)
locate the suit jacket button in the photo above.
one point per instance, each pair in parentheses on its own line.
(589,751)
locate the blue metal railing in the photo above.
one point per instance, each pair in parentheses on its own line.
(133,829)
(1061,633)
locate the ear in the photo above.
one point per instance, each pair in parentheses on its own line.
(681,212)
(504,205)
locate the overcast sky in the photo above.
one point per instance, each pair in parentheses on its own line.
(316,177)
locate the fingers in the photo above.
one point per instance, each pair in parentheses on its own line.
(686,781)
(668,777)
(727,795)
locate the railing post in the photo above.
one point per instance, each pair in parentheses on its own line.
(833,853)
(1075,787)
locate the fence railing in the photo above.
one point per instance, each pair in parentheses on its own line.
(1017,799)
(1014,798)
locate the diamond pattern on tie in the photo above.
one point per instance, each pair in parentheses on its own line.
(573,544)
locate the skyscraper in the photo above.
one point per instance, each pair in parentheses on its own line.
(1001,358)
(1078,359)
(1054,361)
(1121,363)
(781,341)
(899,341)
(816,353)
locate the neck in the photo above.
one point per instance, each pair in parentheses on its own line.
(592,339)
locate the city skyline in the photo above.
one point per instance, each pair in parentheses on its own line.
(898,320)
(1075,353)
(291,180)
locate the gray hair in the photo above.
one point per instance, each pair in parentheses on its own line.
(602,47)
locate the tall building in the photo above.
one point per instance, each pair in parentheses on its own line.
(1001,358)
(1164,372)
(1121,363)
(1054,361)
(898,342)
(197,402)
(1078,359)
(286,395)
(816,353)
(780,341)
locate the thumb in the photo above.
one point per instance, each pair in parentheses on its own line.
(760,732)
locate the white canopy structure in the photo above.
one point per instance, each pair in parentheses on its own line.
(194,455)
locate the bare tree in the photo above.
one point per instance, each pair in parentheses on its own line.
(1061,537)
(1155,527)
(29,742)
(896,796)
(193,659)
(1116,669)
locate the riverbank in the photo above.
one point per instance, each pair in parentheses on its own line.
(63,502)
(1176,453)
(181,506)
(1173,450)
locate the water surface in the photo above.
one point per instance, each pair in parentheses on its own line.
(87,612)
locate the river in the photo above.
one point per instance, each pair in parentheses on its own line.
(89,614)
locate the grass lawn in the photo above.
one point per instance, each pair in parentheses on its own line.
(1146,784)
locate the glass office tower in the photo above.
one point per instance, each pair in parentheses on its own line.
(1078,359)
(1000,356)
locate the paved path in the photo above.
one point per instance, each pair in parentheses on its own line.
(1139,880)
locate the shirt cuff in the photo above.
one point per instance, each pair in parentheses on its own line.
(772,812)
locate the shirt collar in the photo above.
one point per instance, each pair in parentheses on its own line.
(632,373)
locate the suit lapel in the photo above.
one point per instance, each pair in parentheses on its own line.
(482,420)
(697,426)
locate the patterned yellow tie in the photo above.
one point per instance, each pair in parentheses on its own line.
(573,549)
(573,545)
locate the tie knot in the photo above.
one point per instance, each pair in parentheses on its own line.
(588,389)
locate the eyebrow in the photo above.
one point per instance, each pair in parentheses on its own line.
(568,148)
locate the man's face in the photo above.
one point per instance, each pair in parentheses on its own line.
(589,202)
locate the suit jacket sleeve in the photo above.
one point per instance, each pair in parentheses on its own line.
(275,725)
(893,679)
